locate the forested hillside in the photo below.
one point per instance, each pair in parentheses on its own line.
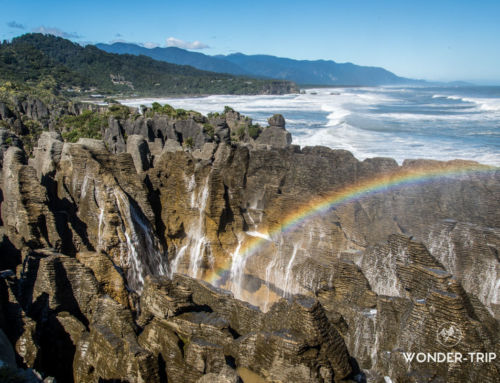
(60,63)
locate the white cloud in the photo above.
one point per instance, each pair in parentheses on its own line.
(173,42)
(150,45)
(147,44)
(56,32)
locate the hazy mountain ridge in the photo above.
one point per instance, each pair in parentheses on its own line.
(317,72)
(176,55)
(57,62)
(310,72)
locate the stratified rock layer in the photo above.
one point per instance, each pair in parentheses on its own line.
(103,245)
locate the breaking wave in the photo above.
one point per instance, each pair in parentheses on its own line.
(376,122)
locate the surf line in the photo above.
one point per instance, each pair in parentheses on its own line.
(381,183)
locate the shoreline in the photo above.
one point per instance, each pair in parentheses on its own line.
(344,120)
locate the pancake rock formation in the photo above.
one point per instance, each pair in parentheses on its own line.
(185,248)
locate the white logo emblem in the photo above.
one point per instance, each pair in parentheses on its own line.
(449,334)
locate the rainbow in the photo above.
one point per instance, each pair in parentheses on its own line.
(381,183)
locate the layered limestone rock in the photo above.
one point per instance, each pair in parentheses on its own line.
(100,242)
(67,326)
(242,192)
(27,116)
(114,136)
(197,329)
(26,213)
(235,201)
(112,204)
(275,135)
(417,299)
(47,154)
(138,147)
(109,276)
(110,349)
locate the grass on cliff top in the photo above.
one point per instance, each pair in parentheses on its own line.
(86,125)
(170,111)
(12,92)
(91,124)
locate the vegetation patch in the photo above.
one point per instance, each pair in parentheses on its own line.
(35,130)
(89,124)
(228,109)
(188,143)
(168,110)
(118,111)
(254,131)
(209,129)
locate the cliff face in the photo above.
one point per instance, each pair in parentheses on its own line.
(108,241)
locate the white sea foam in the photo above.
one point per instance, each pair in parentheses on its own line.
(486,104)
(374,122)
(483,103)
(423,116)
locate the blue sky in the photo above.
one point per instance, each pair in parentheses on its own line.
(434,40)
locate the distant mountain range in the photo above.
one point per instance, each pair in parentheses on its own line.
(53,62)
(176,56)
(304,72)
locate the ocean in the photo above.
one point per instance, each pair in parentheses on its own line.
(441,123)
